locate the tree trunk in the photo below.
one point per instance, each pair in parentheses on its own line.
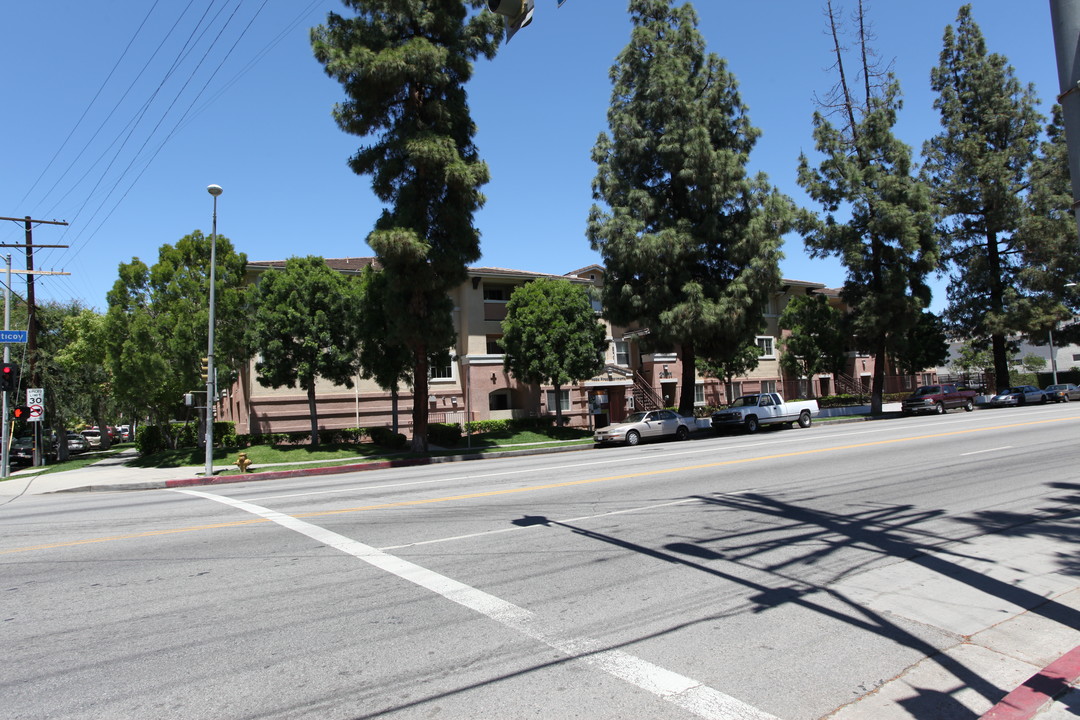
(394,408)
(420,392)
(877,387)
(61,441)
(313,412)
(997,305)
(558,405)
(688,380)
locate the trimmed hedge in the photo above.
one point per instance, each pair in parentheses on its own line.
(444,434)
(387,438)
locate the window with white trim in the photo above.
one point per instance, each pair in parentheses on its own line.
(564,400)
(622,352)
(765,344)
(768,386)
(699,393)
(441,372)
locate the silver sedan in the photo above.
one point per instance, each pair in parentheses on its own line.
(644,425)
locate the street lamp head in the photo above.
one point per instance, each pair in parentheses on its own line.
(214,190)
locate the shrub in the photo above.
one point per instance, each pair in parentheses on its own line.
(387,438)
(486,426)
(225,434)
(149,439)
(444,434)
(342,436)
(185,435)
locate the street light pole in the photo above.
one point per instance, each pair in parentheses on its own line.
(1053,357)
(211,385)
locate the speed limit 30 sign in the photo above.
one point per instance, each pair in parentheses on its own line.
(35,401)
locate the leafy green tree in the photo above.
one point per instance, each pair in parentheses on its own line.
(1033,363)
(978,167)
(303,326)
(731,361)
(386,362)
(155,332)
(876,216)
(691,242)
(818,339)
(973,357)
(551,336)
(404,66)
(925,345)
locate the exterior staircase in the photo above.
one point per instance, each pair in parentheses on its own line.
(645,398)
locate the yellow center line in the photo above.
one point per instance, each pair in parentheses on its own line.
(535,488)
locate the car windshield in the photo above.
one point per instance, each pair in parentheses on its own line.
(929,390)
(635,417)
(746,401)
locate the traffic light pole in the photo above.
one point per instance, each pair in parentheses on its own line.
(5,454)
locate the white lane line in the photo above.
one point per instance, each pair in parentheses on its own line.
(687,693)
(529,527)
(978,452)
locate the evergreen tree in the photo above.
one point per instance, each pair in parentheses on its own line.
(978,167)
(386,362)
(551,336)
(818,339)
(691,243)
(925,345)
(877,218)
(1050,246)
(735,361)
(304,326)
(404,66)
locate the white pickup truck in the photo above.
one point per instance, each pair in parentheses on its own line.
(750,412)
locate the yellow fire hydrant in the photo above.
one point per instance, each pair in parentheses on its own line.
(243,462)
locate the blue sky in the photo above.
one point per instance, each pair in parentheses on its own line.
(98,131)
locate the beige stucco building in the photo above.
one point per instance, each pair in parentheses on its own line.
(474,386)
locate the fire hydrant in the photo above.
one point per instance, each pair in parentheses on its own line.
(243,462)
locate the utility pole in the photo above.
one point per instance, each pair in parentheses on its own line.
(31,325)
(31,329)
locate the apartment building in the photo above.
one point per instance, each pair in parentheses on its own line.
(474,385)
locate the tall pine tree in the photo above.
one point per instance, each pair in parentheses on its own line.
(404,65)
(978,166)
(691,243)
(877,218)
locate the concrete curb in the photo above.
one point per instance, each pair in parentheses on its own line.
(1039,690)
(313,472)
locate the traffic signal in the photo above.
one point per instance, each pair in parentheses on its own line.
(20,412)
(9,377)
(516,14)
(205,369)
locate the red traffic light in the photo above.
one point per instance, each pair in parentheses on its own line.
(21,412)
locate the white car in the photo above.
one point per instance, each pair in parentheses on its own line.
(645,425)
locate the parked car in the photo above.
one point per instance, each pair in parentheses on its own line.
(750,412)
(93,437)
(22,451)
(646,425)
(1018,395)
(125,433)
(1062,393)
(938,399)
(77,443)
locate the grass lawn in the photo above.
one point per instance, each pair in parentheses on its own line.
(74,462)
(281,457)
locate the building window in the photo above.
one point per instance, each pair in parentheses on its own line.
(734,390)
(622,353)
(768,386)
(1076,358)
(765,344)
(496,293)
(564,400)
(499,400)
(441,372)
(494,345)
(699,393)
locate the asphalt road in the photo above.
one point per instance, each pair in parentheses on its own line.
(721,578)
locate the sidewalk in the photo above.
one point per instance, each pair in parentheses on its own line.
(1007,646)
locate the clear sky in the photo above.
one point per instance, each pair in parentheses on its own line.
(118,115)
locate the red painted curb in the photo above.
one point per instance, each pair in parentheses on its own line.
(1039,689)
(336,469)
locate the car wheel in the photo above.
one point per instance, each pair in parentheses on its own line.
(804,419)
(683,433)
(633,437)
(751,424)
(969,406)
(940,409)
